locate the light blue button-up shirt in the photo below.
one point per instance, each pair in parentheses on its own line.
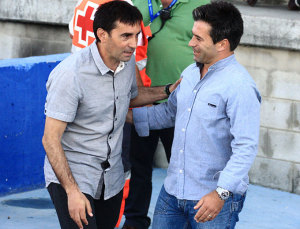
(216,129)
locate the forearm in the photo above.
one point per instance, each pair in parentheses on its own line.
(155,117)
(138,77)
(148,95)
(234,176)
(58,161)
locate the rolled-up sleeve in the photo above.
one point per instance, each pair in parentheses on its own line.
(243,110)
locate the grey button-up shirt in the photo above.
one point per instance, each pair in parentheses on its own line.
(94,101)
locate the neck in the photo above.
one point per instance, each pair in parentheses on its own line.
(220,57)
(109,62)
(207,65)
(166,3)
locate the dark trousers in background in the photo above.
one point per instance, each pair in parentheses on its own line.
(105,212)
(141,157)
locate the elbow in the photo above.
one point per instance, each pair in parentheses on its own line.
(45,141)
(49,140)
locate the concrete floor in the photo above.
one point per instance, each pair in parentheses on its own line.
(264,208)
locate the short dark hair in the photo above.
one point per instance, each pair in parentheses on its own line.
(109,13)
(225,20)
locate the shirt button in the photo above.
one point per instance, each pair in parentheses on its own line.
(181,151)
(183,130)
(195,91)
(116,119)
(181,171)
(189,109)
(110,137)
(117,97)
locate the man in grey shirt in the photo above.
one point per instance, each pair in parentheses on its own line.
(88,97)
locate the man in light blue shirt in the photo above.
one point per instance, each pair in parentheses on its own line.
(215,111)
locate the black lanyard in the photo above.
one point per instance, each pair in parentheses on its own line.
(165,14)
(152,17)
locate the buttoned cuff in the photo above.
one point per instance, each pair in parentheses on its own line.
(140,120)
(232,183)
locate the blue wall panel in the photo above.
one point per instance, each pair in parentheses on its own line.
(22,98)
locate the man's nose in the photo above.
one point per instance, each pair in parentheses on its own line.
(133,43)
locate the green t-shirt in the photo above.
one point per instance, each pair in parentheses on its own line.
(168,52)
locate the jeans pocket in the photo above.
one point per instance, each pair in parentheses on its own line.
(163,202)
(237,203)
(236,207)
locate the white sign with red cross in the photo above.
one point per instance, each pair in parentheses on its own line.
(84,22)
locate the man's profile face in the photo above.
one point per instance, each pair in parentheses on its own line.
(122,41)
(204,49)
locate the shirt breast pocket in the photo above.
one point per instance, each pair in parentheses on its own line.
(207,108)
(122,104)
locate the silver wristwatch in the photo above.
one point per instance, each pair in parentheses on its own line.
(223,193)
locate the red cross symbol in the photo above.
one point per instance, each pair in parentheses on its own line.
(85,23)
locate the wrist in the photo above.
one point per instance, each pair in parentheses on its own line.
(167,89)
(71,190)
(223,193)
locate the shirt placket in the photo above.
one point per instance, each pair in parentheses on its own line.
(181,157)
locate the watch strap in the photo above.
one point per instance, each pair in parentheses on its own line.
(167,89)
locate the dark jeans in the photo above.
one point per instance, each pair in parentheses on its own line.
(141,156)
(106,212)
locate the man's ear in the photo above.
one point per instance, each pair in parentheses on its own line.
(223,45)
(102,34)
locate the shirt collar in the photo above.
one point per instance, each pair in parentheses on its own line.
(219,64)
(99,62)
(222,63)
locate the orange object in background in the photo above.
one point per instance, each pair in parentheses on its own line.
(125,195)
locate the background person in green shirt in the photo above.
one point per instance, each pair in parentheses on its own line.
(168,55)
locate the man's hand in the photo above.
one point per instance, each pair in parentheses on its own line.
(174,85)
(78,204)
(149,95)
(210,205)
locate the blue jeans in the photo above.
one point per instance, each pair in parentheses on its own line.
(172,213)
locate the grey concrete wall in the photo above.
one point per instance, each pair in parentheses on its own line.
(264,2)
(29,28)
(277,75)
(42,11)
(27,39)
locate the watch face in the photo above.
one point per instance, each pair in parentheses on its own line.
(224,195)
